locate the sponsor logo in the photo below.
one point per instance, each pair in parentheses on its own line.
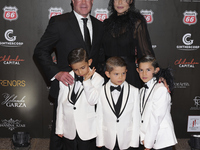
(181,85)
(183,63)
(12,101)
(193,124)
(7,60)
(11,39)
(101,14)
(148,14)
(55,11)
(188,41)
(196,103)
(10,13)
(190,17)
(13,83)
(11,124)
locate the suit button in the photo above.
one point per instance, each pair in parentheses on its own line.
(117,120)
(74,108)
(142,121)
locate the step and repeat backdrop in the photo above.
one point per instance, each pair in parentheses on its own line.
(174,27)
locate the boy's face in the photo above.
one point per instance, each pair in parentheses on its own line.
(117,75)
(81,68)
(146,71)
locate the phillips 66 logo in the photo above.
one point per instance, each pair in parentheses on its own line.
(55,11)
(190,17)
(101,14)
(148,14)
(10,13)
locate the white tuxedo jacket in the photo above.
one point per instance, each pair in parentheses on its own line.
(80,117)
(156,128)
(126,127)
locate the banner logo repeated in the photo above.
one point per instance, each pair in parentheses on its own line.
(101,14)
(10,13)
(190,17)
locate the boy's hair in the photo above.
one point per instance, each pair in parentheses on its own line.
(164,73)
(148,58)
(77,55)
(115,62)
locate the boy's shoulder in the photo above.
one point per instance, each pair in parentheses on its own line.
(97,76)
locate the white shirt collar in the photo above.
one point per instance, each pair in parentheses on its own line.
(79,17)
(150,82)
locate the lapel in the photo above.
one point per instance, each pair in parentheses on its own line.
(124,99)
(76,29)
(151,84)
(71,87)
(125,96)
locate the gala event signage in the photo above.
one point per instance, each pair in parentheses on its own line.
(173,27)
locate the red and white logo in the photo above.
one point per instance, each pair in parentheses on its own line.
(55,11)
(101,14)
(148,14)
(190,17)
(10,13)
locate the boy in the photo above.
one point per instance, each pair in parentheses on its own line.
(76,116)
(156,128)
(118,109)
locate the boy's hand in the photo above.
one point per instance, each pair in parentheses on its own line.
(60,135)
(90,73)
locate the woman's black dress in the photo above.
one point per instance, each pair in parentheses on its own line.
(127,36)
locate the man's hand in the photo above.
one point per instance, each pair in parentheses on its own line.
(64,77)
(90,73)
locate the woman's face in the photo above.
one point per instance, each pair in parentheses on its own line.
(121,6)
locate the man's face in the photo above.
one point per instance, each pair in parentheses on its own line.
(82,7)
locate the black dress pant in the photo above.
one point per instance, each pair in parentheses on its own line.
(56,143)
(78,144)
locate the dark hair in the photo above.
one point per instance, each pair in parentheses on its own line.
(115,61)
(164,73)
(112,9)
(148,58)
(77,55)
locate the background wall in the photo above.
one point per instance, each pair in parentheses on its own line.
(24,106)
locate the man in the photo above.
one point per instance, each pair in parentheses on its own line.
(65,33)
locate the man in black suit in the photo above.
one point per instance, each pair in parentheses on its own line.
(65,33)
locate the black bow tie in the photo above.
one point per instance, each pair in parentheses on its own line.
(79,78)
(145,86)
(112,88)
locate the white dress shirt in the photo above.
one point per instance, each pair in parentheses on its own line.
(116,93)
(80,22)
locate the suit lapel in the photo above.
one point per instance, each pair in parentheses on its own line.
(108,95)
(125,97)
(76,29)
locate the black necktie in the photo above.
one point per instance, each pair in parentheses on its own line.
(86,34)
(112,88)
(79,78)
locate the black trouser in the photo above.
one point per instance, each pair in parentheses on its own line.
(78,144)
(56,143)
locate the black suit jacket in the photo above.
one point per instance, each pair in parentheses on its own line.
(63,34)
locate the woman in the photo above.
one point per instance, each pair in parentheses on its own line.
(126,35)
